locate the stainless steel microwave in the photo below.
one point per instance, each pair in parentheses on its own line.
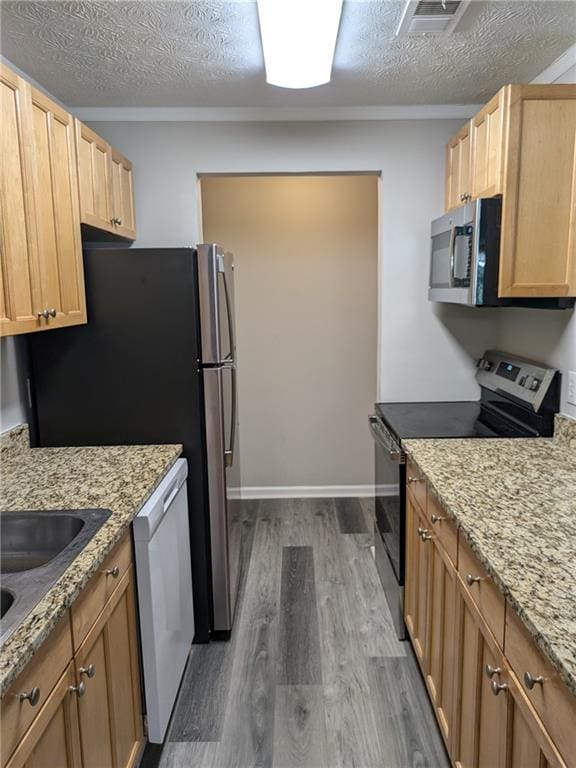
(464,255)
(465,258)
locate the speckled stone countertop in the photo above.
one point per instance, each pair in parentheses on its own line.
(119,478)
(515,503)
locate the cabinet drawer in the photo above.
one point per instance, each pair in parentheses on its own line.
(484,593)
(94,596)
(42,672)
(550,698)
(416,484)
(443,528)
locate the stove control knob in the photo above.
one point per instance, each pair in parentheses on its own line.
(534,384)
(522,381)
(484,365)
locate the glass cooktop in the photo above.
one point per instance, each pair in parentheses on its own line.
(450,419)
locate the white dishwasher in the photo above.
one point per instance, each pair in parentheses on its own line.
(163,569)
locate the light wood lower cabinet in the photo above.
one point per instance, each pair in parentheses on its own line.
(92,717)
(110,711)
(416,592)
(53,739)
(473,665)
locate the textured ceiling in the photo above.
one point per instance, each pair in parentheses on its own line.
(208,53)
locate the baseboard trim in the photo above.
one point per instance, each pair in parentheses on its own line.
(312,491)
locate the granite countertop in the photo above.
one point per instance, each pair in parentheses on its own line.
(118,478)
(514,501)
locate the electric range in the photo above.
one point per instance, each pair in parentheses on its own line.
(519,398)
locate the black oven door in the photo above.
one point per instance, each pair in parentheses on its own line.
(389,505)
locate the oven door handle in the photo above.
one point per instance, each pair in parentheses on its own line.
(394,452)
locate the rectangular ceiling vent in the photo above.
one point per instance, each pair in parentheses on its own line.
(436,17)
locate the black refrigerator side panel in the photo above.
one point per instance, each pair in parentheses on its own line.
(131,375)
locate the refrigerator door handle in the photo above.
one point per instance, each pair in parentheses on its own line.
(229,452)
(229,316)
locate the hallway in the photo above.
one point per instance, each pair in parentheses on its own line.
(313,675)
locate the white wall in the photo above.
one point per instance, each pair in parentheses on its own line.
(426,350)
(11,384)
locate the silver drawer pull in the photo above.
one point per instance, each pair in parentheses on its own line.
(32,697)
(470,580)
(491,671)
(89,671)
(52,312)
(413,479)
(436,518)
(530,681)
(114,572)
(79,689)
(496,687)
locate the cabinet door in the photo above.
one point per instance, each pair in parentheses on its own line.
(53,740)
(94,170)
(538,239)
(488,135)
(440,635)
(416,590)
(110,710)
(123,196)
(528,745)
(458,168)
(57,214)
(20,299)
(479,729)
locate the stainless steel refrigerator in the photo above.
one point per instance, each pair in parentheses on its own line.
(156,363)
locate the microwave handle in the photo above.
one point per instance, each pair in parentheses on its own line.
(451,248)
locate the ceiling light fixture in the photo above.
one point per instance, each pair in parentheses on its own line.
(299,38)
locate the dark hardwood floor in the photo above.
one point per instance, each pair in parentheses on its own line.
(313,675)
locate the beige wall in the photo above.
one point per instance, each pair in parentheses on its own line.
(306,281)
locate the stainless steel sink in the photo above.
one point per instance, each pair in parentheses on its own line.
(35,550)
(30,540)
(6,600)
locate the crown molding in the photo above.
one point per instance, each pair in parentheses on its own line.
(274,114)
(562,64)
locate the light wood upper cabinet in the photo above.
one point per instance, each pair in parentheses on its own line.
(41,276)
(123,196)
(538,240)
(57,214)
(487,147)
(20,297)
(94,175)
(458,177)
(523,146)
(106,185)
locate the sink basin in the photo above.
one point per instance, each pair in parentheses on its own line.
(35,550)
(32,539)
(6,600)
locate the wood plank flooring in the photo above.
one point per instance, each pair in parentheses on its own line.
(313,675)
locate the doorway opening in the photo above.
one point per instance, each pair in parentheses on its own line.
(306,276)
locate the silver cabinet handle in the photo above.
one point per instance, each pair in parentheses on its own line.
(119,222)
(79,689)
(496,687)
(52,312)
(32,696)
(470,580)
(424,534)
(89,671)
(530,681)
(436,519)
(413,479)
(421,531)
(114,572)
(43,313)
(491,671)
